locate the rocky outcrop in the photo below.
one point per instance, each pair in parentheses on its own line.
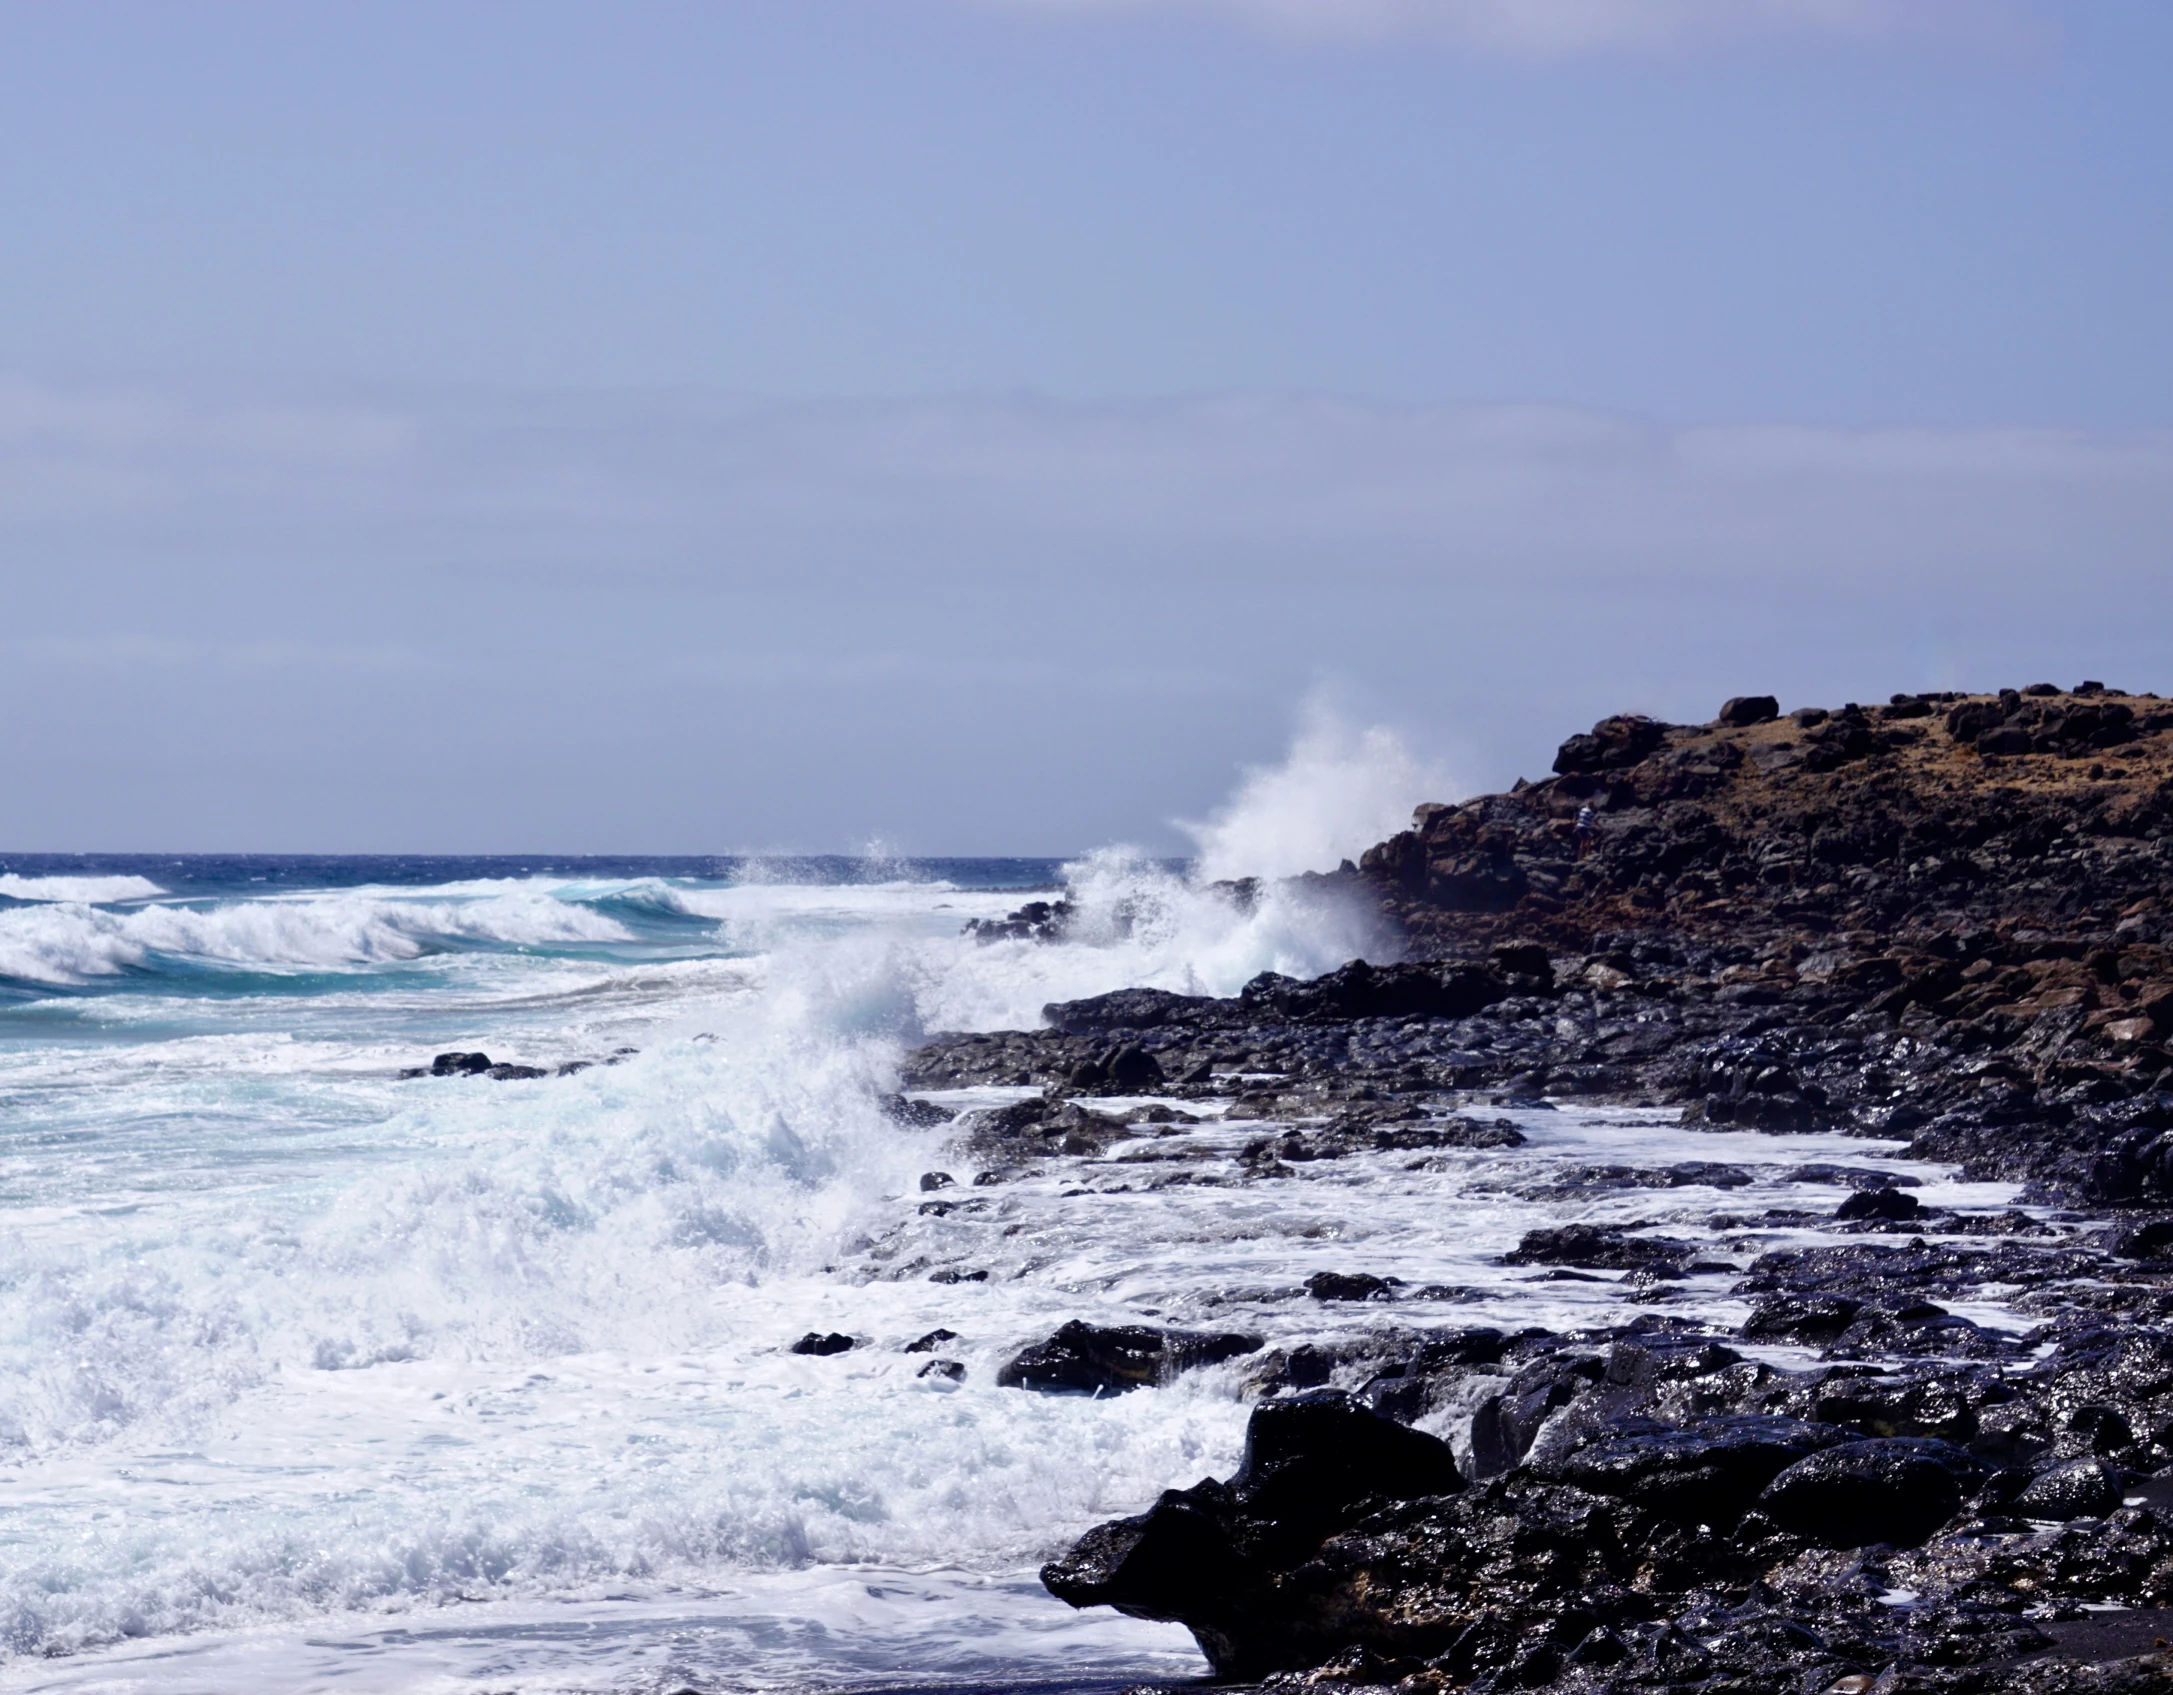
(1934,816)
(1939,921)
(1688,1520)
(1903,921)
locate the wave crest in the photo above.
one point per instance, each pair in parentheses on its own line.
(93,891)
(69,944)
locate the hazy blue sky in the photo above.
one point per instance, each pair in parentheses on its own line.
(979,423)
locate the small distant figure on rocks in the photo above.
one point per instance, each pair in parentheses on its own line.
(1586,831)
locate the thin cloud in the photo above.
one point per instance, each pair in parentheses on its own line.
(334,618)
(1565,28)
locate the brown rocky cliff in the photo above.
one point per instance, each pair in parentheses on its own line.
(1929,816)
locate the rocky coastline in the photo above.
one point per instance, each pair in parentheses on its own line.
(1945,922)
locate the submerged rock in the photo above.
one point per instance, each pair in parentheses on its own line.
(1089,1359)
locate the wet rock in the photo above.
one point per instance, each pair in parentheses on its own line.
(1706,1473)
(1896,1490)
(1133,1069)
(1880,1204)
(460,1064)
(1036,921)
(1600,1247)
(1802,1318)
(934,1180)
(1088,1359)
(919,1114)
(929,1343)
(2151,1239)
(1126,1009)
(1359,990)
(816,1342)
(506,1073)
(1349,1286)
(1207,1557)
(2085,1488)
(950,1371)
(1311,1459)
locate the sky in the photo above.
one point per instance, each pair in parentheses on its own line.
(993,425)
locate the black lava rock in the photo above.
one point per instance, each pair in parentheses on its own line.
(1595,1247)
(1896,1490)
(2086,1488)
(1707,1473)
(1348,1286)
(1880,1203)
(1088,1359)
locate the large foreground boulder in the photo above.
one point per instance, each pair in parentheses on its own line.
(1212,1557)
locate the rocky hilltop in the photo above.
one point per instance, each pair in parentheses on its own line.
(1924,831)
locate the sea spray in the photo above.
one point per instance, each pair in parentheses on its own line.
(1339,789)
(283,1335)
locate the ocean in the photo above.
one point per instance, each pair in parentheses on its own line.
(319,1376)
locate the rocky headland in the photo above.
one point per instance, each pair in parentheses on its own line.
(1942,922)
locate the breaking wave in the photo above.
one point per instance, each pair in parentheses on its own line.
(94,891)
(70,943)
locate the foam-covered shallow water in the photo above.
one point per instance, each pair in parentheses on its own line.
(313,1376)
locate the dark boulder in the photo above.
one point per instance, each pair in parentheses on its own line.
(1747,709)
(1597,1247)
(1614,744)
(1175,1561)
(815,1342)
(2086,1488)
(1348,1286)
(929,1343)
(1036,921)
(460,1064)
(1802,1318)
(1311,1458)
(1505,1425)
(1088,1359)
(1880,1203)
(2151,1239)
(1209,1557)
(1896,1490)
(1707,1473)
(1132,1068)
(507,1073)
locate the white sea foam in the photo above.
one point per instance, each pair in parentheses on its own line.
(96,891)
